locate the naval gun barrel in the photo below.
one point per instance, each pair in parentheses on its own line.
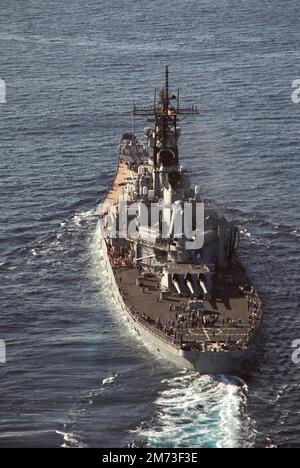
(201,279)
(202,284)
(190,286)
(175,282)
(188,282)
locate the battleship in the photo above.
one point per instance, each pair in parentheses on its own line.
(172,260)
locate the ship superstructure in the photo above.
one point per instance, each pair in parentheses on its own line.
(173,261)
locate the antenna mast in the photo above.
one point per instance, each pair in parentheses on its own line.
(165,117)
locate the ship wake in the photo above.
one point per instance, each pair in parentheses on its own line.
(198,411)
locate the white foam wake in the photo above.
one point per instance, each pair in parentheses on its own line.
(194,410)
(197,411)
(70,440)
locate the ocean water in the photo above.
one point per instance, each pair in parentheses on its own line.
(75,376)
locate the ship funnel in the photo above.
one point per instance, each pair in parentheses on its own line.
(188,282)
(201,279)
(175,281)
(166,157)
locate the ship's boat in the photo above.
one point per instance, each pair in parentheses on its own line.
(172,261)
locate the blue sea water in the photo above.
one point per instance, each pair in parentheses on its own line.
(72,71)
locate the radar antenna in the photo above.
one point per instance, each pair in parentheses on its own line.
(166,117)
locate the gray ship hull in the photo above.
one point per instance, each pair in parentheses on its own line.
(230,362)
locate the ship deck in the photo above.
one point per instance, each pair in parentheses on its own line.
(116,191)
(228,303)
